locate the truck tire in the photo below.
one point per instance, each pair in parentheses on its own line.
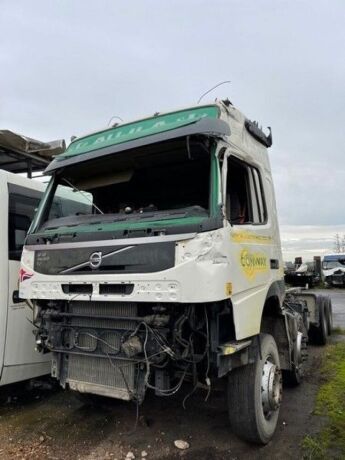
(329,315)
(319,333)
(294,376)
(254,395)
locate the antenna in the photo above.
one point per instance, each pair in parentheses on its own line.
(115,116)
(214,87)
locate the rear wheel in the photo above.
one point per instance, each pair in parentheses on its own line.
(319,333)
(254,395)
(294,376)
(329,315)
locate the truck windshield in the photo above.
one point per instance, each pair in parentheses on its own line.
(157,182)
(329,264)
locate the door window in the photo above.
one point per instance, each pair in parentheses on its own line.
(22,206)
(245,202)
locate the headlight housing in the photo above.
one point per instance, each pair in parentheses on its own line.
(28,258)
(201,247)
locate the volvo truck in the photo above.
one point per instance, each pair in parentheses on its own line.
(171,272)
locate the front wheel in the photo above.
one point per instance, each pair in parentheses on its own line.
(254,395)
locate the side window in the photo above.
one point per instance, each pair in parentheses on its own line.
(245,202)
(259,196)
(22,206)
(238,193)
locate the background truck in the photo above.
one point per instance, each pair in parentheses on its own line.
(171,271)
(333,269)
(304,275)
(19,198)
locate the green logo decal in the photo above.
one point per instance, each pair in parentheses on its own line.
(142,128)
(253,263)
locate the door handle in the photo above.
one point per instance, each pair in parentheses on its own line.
(274,264)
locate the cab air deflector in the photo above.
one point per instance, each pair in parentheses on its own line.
(207,126)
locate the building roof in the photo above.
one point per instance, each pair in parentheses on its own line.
(20,154)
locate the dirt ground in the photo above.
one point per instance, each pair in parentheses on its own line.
(53,424)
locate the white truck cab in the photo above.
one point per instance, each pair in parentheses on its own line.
(19,198)
(171,269)
(333,269)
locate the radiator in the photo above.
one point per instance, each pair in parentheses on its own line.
(124,309)
(107,375)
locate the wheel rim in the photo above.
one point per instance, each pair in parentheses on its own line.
(271,388)
(298,359)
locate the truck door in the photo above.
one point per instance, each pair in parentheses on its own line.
(20,343)
(251,243)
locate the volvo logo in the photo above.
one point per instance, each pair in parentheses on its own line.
(95,260)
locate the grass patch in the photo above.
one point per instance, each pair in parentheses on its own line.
(330,402)
(314,449)
(338,331)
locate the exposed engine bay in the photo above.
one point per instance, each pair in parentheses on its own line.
(120,349)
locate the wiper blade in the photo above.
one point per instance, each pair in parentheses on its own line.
(83,194)
(161,215)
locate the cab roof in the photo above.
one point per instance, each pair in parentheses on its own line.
(219,119)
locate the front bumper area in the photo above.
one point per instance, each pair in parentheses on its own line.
(199,272)
(191,281)
(159,291)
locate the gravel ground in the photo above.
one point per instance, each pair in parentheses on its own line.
(56,425)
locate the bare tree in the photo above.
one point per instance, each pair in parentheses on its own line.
(343,243)
(338,243)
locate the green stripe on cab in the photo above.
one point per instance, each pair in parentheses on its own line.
(142,128)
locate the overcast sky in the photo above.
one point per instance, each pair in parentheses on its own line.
(68,66)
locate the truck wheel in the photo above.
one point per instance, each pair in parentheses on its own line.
(319,333)
(329,315)
(254,395)
(294,376)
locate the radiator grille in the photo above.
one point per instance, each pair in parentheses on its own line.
(111,342)
(87,340)
(100,371)
(102,336)
(104,309)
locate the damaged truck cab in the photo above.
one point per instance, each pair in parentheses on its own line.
(170,268)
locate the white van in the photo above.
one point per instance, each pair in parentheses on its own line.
(19,198)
